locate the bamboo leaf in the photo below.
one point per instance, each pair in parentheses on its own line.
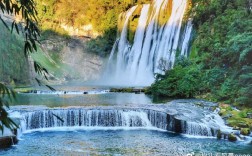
(5,24)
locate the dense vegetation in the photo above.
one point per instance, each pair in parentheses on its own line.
(102,14)
(220,64)
(14,70)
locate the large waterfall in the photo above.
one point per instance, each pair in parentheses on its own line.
(158,38)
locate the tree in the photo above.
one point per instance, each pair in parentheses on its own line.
(28,27)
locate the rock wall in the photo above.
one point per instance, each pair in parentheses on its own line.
(77,63)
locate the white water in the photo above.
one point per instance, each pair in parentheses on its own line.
(103,118)
(187,36)
(135,65)
(84,118)
(203,126)
(69,92)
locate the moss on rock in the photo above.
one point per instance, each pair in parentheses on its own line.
(232,137)
(245,131)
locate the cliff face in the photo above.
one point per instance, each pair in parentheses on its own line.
(85,30)
(73,59)
(65,58)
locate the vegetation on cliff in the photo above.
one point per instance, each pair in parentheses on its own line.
(220,67)
(101,14)
(13,70)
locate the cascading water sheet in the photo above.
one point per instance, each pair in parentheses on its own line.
(158,36)
(176,116)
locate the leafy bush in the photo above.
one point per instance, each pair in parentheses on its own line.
(182,82)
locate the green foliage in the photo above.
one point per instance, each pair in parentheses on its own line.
(14,66)
(245,91)
(182,61)
(102,45)
(182,82)
(5,121)
(242,114)
(27,10)
(224,45)
(102,14)
(221,52)
(29,30)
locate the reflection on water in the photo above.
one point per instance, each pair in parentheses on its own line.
(119,142)
(82,100)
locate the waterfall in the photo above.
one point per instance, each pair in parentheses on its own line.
(187,36)
(158,36)
(115,118)
(89,118)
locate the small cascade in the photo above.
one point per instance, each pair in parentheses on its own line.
(85,118)
(58,92)
(192,128)
(158,37)
(119,118)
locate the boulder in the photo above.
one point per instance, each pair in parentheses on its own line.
(245,131)
(232,137)
(236,128)
(7,141)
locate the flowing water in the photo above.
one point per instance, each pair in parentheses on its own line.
(159,37)
(77,127)
(78,120)
(119,142)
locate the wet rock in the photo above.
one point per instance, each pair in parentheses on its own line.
(219,135)
(7,141)
(232,137)
(201,104)
(243,125)
(225,136)
(245,131)
(236,128)
(33,91)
